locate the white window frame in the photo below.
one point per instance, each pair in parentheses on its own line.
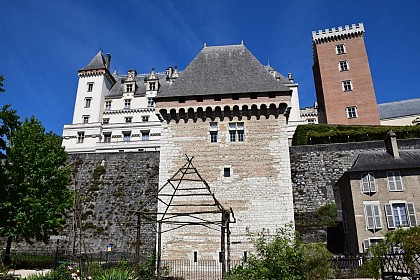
(127,103)
(108,104)
(213,131)
(395,183)
(367,183)
(236,132)
(367,243)
(340,49)
(372,215)
(351,112)
(90,87)
(391,211)
(347,85)
(129,88)
(80,137)
(343,65)
(88,102)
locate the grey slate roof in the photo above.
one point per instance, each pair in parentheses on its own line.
(98,62)
(370,161)
(118,89)
(223,70)
(399,108)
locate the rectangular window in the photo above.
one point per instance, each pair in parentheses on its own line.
(367,183)
(340,49)
(347,85)
(80,137)
(127,136)
(145,118)
(127,103)
(371,241)
(129,87)
(85,119)
(226,172)
(343,65)
(150,102)
(213,132)
(372,215)
(107,137)
(105,121)
(351,112)
(311,121)
(145,136)
(90,87)
(400,215)
(128,119)
(88,100)
(152,86)
(108,105)
(394,181)
(236,132)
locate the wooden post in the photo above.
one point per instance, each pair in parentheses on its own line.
(222,244)
(159,249)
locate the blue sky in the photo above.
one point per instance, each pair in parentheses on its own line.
(43,43)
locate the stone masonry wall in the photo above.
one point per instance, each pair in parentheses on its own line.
(110,187)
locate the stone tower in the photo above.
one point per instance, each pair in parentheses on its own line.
(343,81)
(229,113)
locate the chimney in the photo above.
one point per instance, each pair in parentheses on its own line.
(108,61)
(391,144)
(290,77)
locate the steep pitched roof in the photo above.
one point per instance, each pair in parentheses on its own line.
(399,108)
(370,161)
(223,70)
(98,62)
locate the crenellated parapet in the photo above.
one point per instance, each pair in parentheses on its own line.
(221,112)
(340,33)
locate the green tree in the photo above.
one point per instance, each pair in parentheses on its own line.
(35,197)
(285,256)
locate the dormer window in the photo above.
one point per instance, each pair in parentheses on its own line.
(152,86)
(129,88)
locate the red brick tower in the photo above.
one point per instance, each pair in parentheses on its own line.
(343,81)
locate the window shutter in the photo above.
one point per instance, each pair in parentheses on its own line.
(372,182)
(366,244)
(377,216)
(411,214)
(370,222)
(365,183)
(389,216)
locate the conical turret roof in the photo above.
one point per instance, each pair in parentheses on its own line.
(98,62)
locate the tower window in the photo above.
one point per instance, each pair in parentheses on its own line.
(351,112)
(80,137)
(340,49)
(128,119)
(108,105)
(88,100)
(127,103)
(90,87)
(343,65)
(236,132)
(85,119)
(347,85)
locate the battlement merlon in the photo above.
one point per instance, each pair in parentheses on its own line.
(321,36)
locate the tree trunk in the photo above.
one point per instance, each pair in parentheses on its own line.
(7,253)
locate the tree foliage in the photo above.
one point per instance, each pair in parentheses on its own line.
(408,240)
(34,195)
(285,256)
